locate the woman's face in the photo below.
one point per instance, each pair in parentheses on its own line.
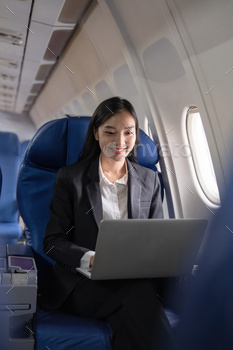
(117,136)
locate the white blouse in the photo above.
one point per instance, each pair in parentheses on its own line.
(114,198)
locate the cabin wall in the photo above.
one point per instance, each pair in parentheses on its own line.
(164,56)
(205,41)
(20,124)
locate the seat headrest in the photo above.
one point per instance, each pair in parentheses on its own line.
(59,143)
(9,144)
(147,153)
(0,181)
(9,162)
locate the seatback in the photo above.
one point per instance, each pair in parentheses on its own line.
(0,181)
(23,147)
(10,161)
(56,144)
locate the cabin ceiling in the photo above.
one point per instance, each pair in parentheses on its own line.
(33,35)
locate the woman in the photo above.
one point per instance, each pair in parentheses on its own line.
(105,183)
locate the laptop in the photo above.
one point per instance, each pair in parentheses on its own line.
(146,248)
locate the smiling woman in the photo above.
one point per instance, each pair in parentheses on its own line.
(116,137)
(120,139)
(104,184)
(109,119)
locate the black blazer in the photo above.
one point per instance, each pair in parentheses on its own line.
(76,212)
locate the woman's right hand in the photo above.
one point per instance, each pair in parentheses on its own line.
(92,260)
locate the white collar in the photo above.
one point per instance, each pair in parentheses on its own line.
(123,180)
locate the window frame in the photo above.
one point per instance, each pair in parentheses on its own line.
(209,187)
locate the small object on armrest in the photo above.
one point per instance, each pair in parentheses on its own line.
(21,264)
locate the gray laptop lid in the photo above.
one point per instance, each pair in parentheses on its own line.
(142,248)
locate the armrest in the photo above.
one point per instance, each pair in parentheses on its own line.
(18,295)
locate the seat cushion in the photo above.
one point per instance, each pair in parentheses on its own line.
(172,318)
(56,330)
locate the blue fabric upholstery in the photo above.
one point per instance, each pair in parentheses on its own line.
(77,333)
(10,229)
(23,147)
(206,321)
(56,144)
(0,181)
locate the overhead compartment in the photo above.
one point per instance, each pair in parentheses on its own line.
(59,12)
(15,10)
(49,32)
(14,17)
(44,27)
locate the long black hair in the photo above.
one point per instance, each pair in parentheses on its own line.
(103,112)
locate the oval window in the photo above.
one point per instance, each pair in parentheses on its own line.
(201,156)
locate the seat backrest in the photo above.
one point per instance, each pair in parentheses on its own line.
(10,161)
(56,144)
(0,181)
(23,147)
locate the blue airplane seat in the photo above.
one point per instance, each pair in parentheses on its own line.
(0,181)
(23,147)
(56,144)
(206,322)
(10,230)
(147,155)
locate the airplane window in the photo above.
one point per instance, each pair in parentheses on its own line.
(102,90)
(68,110)
(201,156)
(89,102)
(124,81)
(147,128)
(76,106)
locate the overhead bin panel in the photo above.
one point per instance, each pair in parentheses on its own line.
(27,79)
(43,71)
(59,12)
(45,44)
(44,27)
(38,41)
(15,10)
(51,26)
(57,43)
(14,17)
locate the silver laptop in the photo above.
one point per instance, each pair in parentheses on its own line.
(146,248)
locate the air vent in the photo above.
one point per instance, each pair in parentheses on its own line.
(7,77)
(56,44)
(6,103)
(11,37)
(5,87)
(7,95)
(8,63)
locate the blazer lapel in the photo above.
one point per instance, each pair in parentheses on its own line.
(93,191)
(94,195)
(134,192)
